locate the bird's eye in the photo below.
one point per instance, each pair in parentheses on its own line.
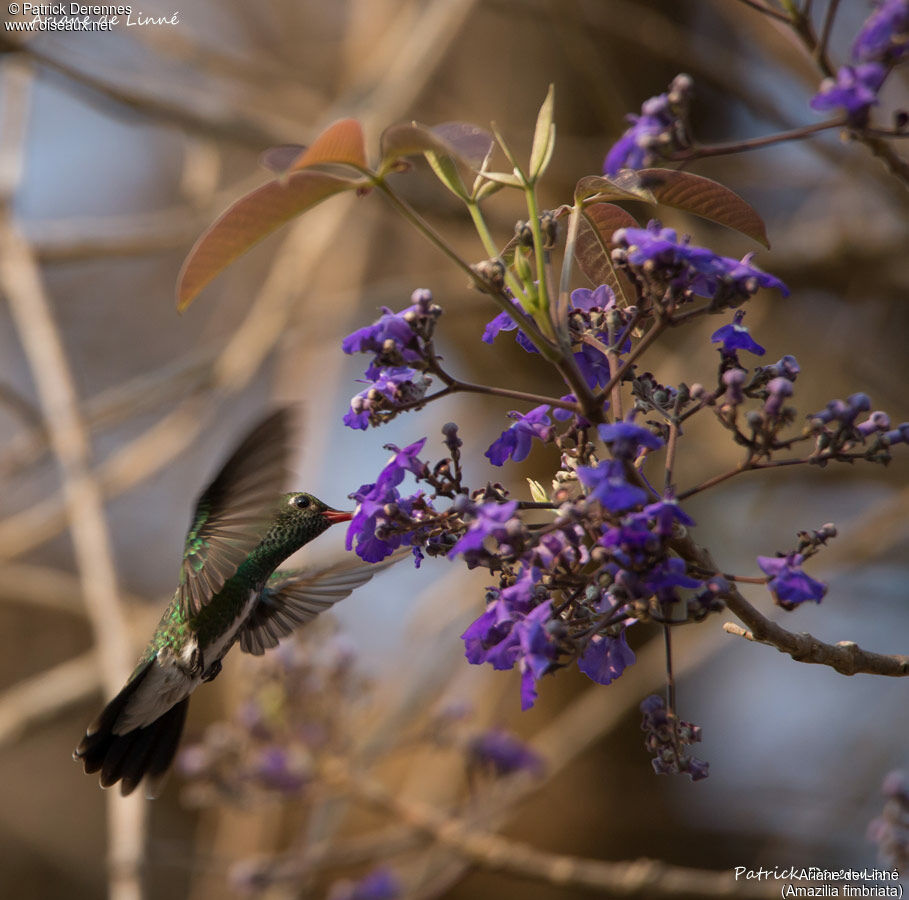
(301,501)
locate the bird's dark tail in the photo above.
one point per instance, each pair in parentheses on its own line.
(145,752)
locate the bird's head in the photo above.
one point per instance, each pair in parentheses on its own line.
(300,517)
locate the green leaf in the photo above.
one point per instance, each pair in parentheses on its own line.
(250,219)
(705,198)
(594,245)
(627,185)
(537,492)
(447,172)
(543,137)
(483,189)
(340,144)
(506,179)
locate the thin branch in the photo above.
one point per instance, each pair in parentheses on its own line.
(758,143)
(820,51)
(37,700)
(639,878)
(765,10)
(845,657)
(31,311)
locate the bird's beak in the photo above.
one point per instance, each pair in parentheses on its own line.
(335,515)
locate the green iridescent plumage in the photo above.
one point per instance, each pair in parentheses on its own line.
(242,529)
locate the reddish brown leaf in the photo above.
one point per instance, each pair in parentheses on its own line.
(706,198)
(279,159)
(465,143)
(594,245)
(250,219)
(627,185)
(340,144)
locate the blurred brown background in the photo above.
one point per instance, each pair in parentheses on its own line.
(117,149)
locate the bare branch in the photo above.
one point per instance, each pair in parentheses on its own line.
(638,878)
(39,699)
(33,316)
(845,657)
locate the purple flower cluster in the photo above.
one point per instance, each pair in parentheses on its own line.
(837,430)
(882,42)
(383,520)
(657,255)
(401,348)
(592,312)
(655,133)
(890,830)
(666,736)
(503,753)
(885,35)
(855,89)
(635,576)
(514,630)
(392,388)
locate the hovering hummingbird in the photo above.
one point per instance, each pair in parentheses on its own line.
(242,529)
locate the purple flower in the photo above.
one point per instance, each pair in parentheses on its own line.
(487,639)
(665,513)
(789,585)
(276,768)
(515,442)
(890,830)
(563,415)
(787,367)
(390,327)
(538,650)
(669,574)
(695,270)
(656,132)
(885,34)
(514,630)
(379,884)
(396,339)
(401,462)
(735,336)
(593,365)
(379,505)
(605,658)
(601,297)
(899,435)
(608,485)
(491,637)
(877,422)
(778,389)
(855,88)
(504,322)
(625,439)
(392,388)
(503,752)
(844,411)
(491,521)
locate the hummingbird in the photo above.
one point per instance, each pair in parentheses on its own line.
(230,591)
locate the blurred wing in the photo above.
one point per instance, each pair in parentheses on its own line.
(294,597)
(232,512)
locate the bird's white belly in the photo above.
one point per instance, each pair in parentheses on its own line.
(167,682)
